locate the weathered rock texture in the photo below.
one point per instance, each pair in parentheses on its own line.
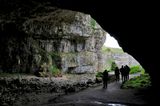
(68,39)
(124,59)
(14,90)
(27,90)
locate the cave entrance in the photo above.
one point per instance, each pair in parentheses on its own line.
(115,57)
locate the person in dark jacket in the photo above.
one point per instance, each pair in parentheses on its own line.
(127,70)
(105,78)
(116,72)
(122,73)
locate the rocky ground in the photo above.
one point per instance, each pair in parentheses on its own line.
(30,89)
(97,96)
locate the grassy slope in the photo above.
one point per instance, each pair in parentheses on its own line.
(108,50)
(141,81)
(111,50)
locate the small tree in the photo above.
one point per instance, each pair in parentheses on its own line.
(113,66)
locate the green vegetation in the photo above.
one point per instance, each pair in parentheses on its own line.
(136,69)
(50,69)
(55,71)
(99,74)
(141,81)
(113,66)
(110,63)
(143,71)
(111,50)
(93,23)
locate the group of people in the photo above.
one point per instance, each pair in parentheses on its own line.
(124,71)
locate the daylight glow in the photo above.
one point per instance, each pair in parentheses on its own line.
(111,42)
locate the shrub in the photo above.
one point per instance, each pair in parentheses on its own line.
(113,66)
(142,71)
(141,81)
(48,70)
(99,74)
(136,69)
(55,71)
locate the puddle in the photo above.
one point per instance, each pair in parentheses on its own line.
(117,104)
(109,104)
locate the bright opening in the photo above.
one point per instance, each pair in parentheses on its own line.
(111,42)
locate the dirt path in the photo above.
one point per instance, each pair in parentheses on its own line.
(99,96)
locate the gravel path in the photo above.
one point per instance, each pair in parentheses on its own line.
(100,96)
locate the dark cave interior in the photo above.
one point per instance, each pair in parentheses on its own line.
(132,23)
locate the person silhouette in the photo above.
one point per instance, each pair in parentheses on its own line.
(127,69)
(122,73)
(116,72)
(105,79)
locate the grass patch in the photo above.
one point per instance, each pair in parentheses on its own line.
(111,50)
(142,81)
(136,69)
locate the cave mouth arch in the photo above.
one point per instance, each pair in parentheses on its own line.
(114,56)
(126,21)
(130,28)
(123,20)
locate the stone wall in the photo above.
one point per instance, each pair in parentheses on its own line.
(68,39)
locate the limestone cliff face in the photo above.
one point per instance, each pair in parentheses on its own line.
(125,59)
(119,58)
(68,39)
